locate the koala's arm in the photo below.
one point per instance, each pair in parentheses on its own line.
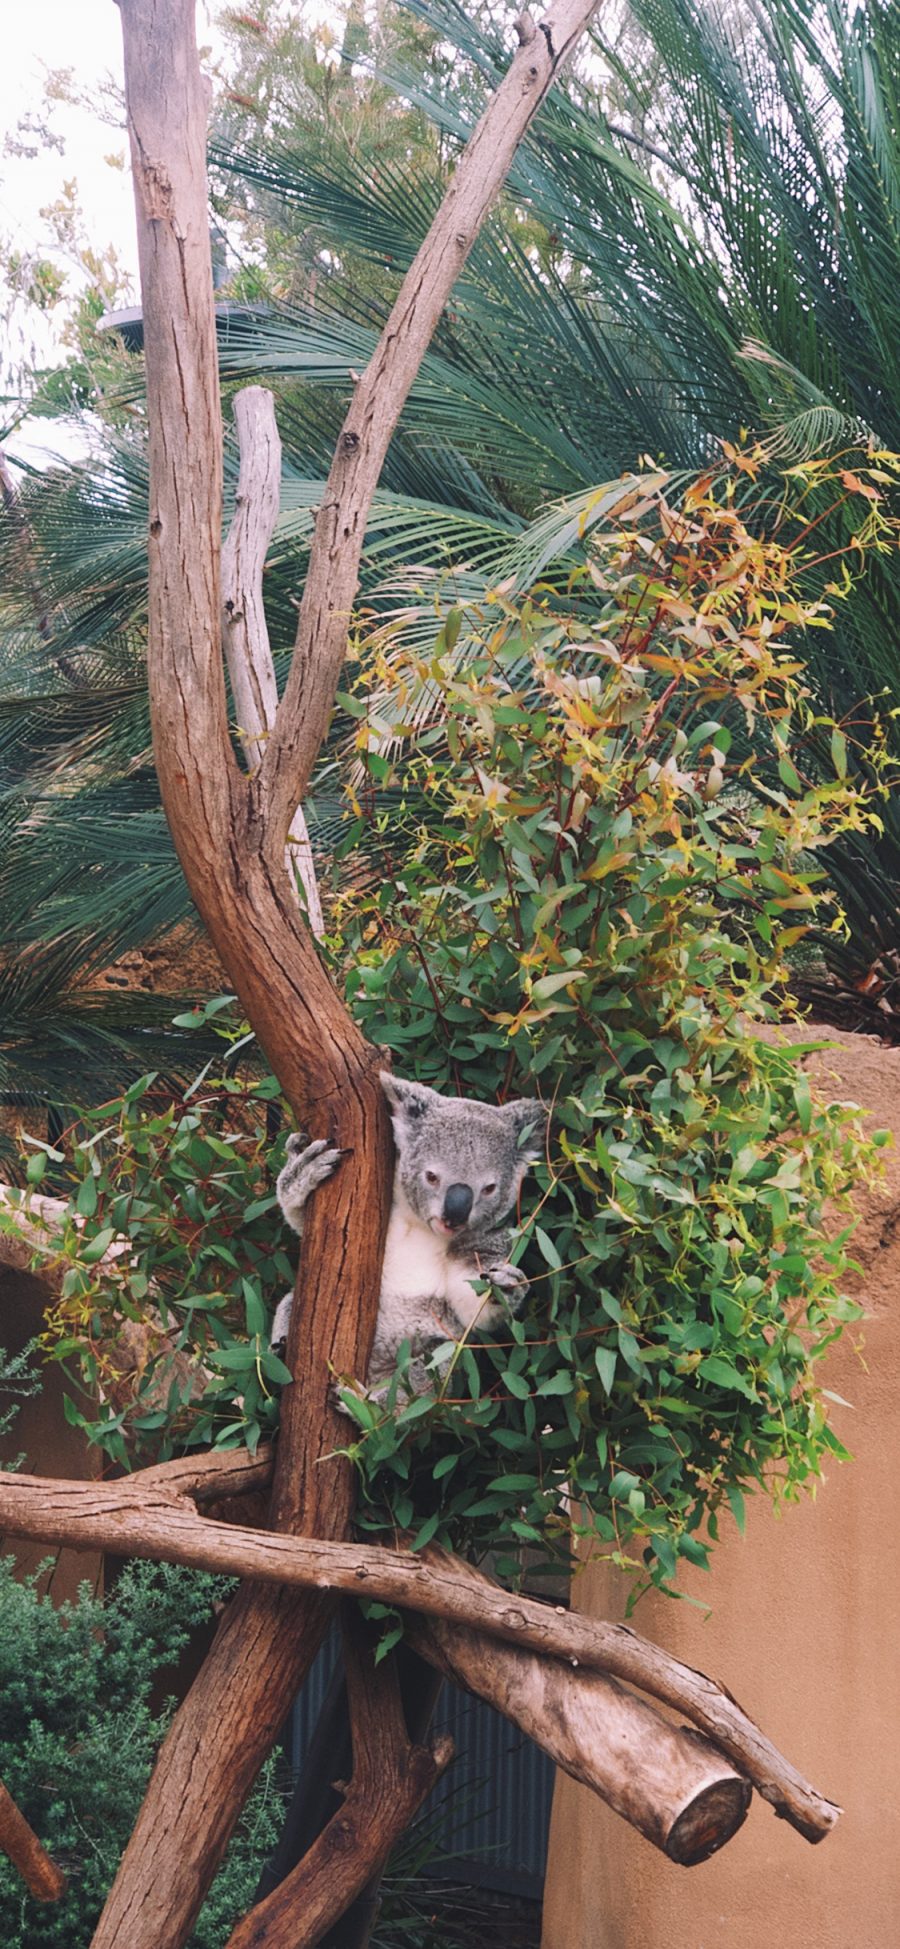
(485,1255)
(305,1168)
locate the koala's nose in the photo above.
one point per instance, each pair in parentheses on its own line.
(457,1204)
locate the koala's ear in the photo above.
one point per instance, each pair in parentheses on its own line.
(407,1100)
(529,1121)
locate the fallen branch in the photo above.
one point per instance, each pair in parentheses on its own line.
(29,1857)
(150,1515)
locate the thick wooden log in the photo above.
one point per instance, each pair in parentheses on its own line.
(668,1781)
(29,1857)
(148,1515)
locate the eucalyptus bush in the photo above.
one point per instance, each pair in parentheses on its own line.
(595,863)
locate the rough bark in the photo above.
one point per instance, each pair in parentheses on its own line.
(668,1781)
(150,1515)
(29,1857)
(267,1639)
(245,634)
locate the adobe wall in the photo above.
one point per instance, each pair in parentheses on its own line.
(40,1430)
(805,1631)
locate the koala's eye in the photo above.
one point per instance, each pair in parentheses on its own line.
(488,1190)
(431,1177)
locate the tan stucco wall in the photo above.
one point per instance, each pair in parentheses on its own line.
(40,1431)
(805,1631)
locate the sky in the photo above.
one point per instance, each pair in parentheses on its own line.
(83,36)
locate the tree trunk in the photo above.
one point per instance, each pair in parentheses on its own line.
(267,1639)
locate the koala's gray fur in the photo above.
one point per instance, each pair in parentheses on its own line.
(459,1167)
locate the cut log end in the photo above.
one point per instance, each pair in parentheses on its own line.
(710,1820)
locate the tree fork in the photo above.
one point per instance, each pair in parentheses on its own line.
(267,1639)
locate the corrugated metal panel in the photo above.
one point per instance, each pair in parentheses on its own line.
(492,1812)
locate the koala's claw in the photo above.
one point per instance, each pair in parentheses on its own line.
(509,1278)
(307,1166)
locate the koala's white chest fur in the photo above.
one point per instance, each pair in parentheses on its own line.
(418,1267)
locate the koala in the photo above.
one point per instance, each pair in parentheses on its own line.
(459,1168)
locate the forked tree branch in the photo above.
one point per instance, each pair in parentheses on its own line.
(381,393)
(229,833)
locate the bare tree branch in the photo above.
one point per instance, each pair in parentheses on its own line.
(381,394)
(245,634)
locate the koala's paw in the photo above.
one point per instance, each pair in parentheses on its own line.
(338,1389)
(509,1279)
(307,1166)
(281,1322)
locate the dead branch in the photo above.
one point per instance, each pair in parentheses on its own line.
(29,1857)
(149,1514)
(391,1778)
(245,634)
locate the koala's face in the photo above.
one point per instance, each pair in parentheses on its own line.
(460,1163)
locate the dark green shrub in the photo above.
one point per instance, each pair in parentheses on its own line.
(78,1736)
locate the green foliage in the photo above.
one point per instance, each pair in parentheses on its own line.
(173,1332)
(78,1736)
(18,1380)
(600,905)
